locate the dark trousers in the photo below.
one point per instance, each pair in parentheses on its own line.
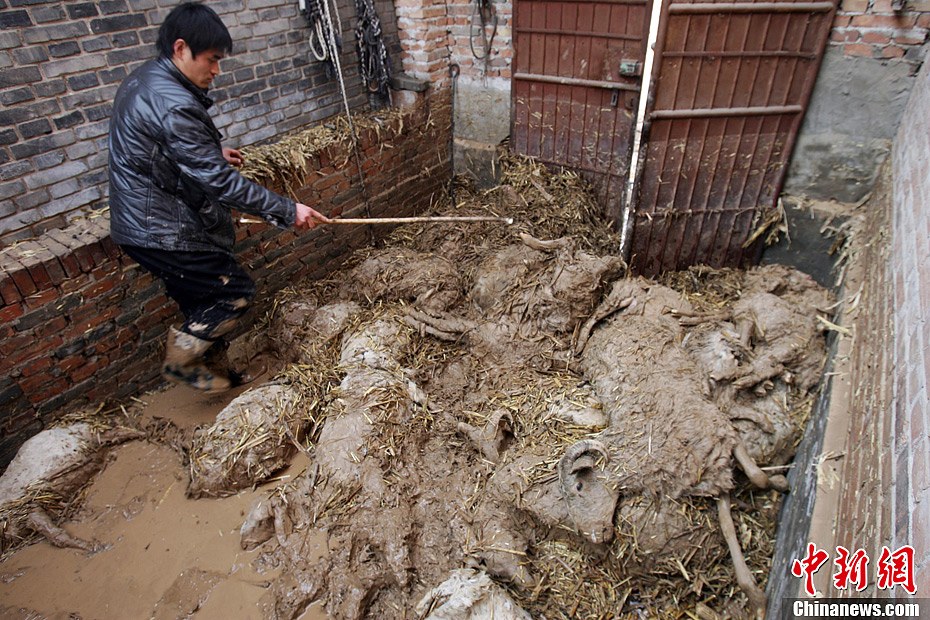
(212,290)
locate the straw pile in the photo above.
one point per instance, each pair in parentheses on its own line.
(283,163)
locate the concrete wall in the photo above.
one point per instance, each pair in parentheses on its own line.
(61,63)
(868,72)
(481,123)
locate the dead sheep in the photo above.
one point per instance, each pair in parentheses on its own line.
(642,425)
(301,324)
(670,435)
(428,281)
(253,437)
(47,472)
(525,302)
(529,497)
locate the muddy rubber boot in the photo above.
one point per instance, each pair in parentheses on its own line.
(184,363)
(217,360)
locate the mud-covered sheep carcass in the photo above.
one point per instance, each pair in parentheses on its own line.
(42,485)
(531,413)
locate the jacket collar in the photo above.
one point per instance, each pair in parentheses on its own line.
(198,92)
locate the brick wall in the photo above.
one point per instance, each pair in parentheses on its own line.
(884,481)
(911,317)
(82,323)
(434,34)
(61,63)
(874,29)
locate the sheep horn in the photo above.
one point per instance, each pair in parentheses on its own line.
(549,245)
(575,452)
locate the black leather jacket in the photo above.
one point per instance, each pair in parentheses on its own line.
(170,187)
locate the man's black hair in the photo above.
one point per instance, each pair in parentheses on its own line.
(199,26)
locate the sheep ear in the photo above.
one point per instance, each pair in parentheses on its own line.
(585,461)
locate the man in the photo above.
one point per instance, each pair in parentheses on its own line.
(172,186)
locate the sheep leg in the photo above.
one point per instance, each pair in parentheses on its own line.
(745,326)
(761,370)
(688,319)
(491,439)
(42,524)
(258,526)
(444,329)
(618,299)
(743,575)
(501,545)
(755,474)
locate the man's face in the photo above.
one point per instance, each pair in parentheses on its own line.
(199,69)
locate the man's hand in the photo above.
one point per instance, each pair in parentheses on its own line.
(233,156)
(308,218)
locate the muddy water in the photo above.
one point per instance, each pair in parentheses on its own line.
(166,556)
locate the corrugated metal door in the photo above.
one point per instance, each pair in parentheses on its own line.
(577,74)
(732,82)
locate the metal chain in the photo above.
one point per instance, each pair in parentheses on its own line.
(374,63)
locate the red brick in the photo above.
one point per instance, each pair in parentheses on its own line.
(85,371)
(24,282)
(75,283)
(102,286)
(36,366)
(884,21)
(11,313)
(84,258)
(110,249)
(70,264)
(920,476)
(51,328)
(40,276)
(12,361)
(892,51)
(70,363)
(920,529)
(40,388)
(903,39)
(42,298)
(8,289)
(10,346)
(55,270)
(876,38)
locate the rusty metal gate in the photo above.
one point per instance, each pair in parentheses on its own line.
(729,89)
(576,80)
(733,80)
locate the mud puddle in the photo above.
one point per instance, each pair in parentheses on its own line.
(165,556)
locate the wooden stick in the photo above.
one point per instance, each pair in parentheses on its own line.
(401,220)
(408,220)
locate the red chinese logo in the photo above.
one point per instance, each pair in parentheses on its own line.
(811,563)
(897,569)
(894,568)
(851,568)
